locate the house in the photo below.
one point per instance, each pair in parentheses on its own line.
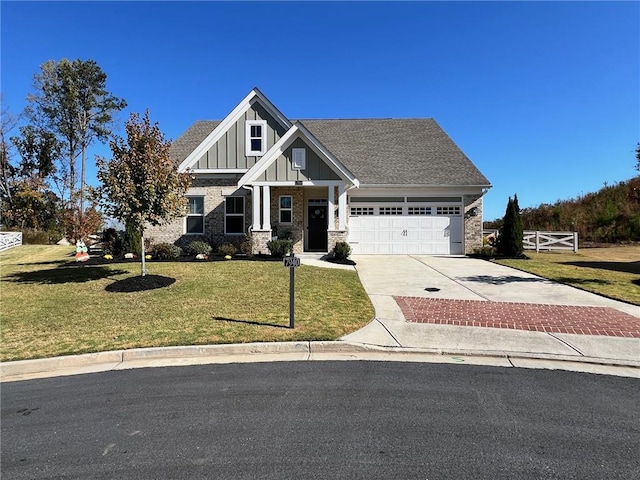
(385,186)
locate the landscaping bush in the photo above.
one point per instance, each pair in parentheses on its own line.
(227,249)
(246,245)
(484,252)
(35,237)
(198,247)
(165,251)
(280,247)
(510,240)
(132,240)
(341,251)
(111,242)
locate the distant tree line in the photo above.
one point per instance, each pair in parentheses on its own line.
(610,215)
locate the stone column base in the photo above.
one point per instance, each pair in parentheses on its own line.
(259,240)
(335,236)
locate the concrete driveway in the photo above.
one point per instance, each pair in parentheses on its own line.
(451,302)
(462,278)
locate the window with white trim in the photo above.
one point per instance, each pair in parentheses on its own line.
(299,158)
(447,210)
(234,215)
(390,211)
(194,222)
(359,211)
(419,210)
(286,209)
(256,137)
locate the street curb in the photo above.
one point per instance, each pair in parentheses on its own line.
(117,358)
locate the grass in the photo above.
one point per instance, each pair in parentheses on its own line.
(53,306)
(612,271)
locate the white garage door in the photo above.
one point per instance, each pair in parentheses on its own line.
(399,234)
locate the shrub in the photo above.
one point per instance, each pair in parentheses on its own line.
(510,240)
(111,242)
(280,247)
(198,247)
(227,249)
(165,251)
(35,237)
(484,252)
(246,245)
(132,240)
(341,251)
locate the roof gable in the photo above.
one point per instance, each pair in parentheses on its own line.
(254,97)
(333,170)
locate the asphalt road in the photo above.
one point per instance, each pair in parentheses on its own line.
(322,420)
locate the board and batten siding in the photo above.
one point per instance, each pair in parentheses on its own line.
(229,151)
(281,170)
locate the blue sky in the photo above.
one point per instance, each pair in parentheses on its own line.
(544,97)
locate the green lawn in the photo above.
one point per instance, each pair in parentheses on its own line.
(53,306)
(613,272)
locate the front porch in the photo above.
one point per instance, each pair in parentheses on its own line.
(313,216)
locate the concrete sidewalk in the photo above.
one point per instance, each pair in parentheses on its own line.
(460,278)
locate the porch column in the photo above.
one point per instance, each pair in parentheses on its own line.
(255,207)
(266,208)
(332,201)
(342,207)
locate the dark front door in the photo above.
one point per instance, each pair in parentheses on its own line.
(317,221)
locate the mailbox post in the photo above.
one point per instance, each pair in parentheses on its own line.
(292,262)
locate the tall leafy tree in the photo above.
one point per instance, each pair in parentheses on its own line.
(141,185)
(510,239)
(7,170)
(71,101)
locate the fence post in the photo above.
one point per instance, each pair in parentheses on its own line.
(575,242)
(537,241)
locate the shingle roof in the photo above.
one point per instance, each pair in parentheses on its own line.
(191,138)
(397,151)
(378,151)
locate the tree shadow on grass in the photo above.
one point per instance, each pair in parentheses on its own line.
(249,322)
(140,283)
(67,274)
(627,267)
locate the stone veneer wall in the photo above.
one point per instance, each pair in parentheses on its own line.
(336,236)
(259,241)
(211,189)
(472,225)
(296,228)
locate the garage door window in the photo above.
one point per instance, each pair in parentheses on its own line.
(390,210)
(448,211)
(419,210)
(359,211)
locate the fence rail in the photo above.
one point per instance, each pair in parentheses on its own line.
(537,240)
(9,240)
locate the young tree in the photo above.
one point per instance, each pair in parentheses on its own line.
(71,101)
(510,240)
(141,184)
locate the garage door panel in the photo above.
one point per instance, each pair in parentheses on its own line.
(387,235)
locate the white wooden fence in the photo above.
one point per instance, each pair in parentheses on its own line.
(10,239)
(537,240)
